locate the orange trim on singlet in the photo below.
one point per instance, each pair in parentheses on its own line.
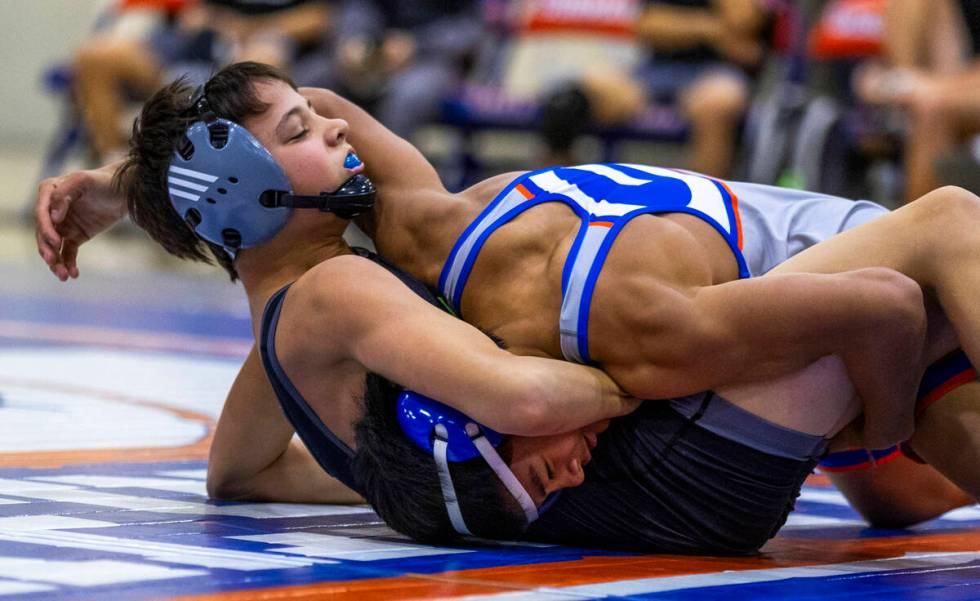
(524,191)
(964,377)
(738,217)
(871,462)
(601,223)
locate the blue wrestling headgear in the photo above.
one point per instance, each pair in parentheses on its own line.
(452,436)
(230,190)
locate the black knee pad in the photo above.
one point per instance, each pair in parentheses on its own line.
(564,115)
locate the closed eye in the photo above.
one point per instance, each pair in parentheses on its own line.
(300,135)
(537,484)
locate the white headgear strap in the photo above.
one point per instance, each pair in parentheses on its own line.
(440,449)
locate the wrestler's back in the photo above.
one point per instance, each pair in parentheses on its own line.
(514,289)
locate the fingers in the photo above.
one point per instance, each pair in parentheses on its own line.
(44,228)
(69,256)
(63,262)
(54,198)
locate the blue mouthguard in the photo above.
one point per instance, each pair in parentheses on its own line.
(352,161)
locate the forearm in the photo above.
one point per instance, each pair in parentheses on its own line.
(552,396)
(254,455)
(294,477)
(390,161)
(109,182)
(678,28)
(305,23)
(740,17)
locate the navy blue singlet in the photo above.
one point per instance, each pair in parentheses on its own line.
(606,197)
(333,455)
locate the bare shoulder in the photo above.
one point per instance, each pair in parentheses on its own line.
(343,280)
(327,309)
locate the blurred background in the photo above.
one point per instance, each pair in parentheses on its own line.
(861,98)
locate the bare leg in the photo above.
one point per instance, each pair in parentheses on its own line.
(103,68)
(613,94)
(941,115)
(905,21)
(900,493)
(817,400)
(947,435)
(714,104)
(935,241)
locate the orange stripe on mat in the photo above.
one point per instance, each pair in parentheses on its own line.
(781,552)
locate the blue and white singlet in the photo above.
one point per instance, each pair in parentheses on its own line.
(606,197)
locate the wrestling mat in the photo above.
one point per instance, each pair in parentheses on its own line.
(110,389)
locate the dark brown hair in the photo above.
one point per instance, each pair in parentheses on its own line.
(401,481)
(157,133)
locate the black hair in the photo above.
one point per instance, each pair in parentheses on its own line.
(159,131)
(401,481)
(564,115)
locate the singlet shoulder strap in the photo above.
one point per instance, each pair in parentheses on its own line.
(513,200)
(333,455)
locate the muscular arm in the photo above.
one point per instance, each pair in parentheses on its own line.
(356,311)
(254,455)
(764,327)
(390,161)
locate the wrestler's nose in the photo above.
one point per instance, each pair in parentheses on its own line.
(335,132)
(572,475)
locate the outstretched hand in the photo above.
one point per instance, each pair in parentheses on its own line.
(72,209)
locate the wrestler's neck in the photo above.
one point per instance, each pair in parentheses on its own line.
(416,228)
(304,242)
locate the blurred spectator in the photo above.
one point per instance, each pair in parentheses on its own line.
(155,40)
(701,52)
(605,60)
(932,73)
(399,58)
(579,58)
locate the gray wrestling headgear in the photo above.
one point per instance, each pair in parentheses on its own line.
(231,192)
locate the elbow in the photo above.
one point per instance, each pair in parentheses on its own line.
(527,408)
(532,418)
(225,487)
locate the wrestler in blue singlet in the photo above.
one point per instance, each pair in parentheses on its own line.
(606,197)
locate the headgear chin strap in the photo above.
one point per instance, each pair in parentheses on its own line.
(451,436)
(353,198)
(231,192)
